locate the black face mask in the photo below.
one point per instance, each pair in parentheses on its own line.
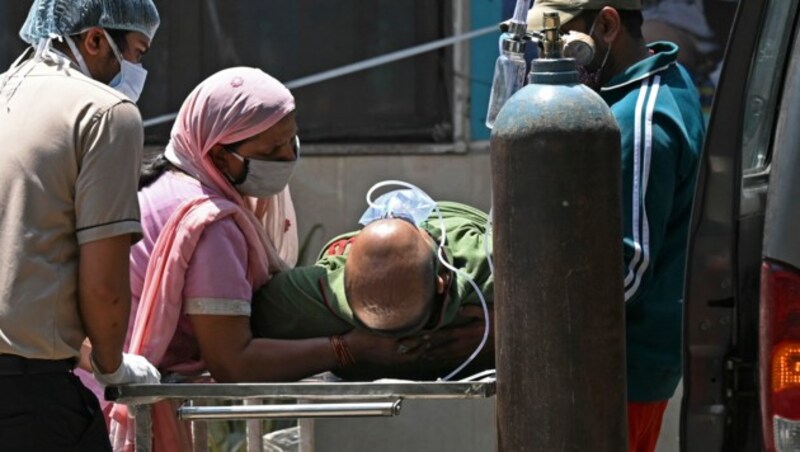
(591,77)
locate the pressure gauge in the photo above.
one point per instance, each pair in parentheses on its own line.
(578,46)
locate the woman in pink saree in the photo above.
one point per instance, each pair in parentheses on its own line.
(218,221)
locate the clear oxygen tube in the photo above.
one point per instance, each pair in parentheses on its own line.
(487,239)
(420,194)
(521,12)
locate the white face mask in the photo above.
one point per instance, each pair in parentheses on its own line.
(265,178)
(131,78)
(129,81)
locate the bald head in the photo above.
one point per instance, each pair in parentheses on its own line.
(390,276)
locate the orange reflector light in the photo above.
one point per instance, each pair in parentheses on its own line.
(786,366)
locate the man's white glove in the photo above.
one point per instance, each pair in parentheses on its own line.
(134,369)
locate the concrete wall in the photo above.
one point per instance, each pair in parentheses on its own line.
(422,426)
(436,426)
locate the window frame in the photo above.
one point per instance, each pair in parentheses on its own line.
(766,76)
(458,137)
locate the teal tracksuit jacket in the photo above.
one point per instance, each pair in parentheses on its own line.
(662,128)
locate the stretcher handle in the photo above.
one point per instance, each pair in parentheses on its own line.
(294,411)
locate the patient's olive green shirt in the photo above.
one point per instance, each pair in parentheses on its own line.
(310,301)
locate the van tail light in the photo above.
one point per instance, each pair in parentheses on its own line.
(779,356)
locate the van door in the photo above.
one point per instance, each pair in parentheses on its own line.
(720,410)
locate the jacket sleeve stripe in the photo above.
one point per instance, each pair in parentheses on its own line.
(638,268)
(637,145)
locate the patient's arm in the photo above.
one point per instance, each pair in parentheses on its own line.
(436,353)
(234,355)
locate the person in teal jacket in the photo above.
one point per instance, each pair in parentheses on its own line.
(657,108)
(386,280)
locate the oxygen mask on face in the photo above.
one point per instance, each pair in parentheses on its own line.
(411,203)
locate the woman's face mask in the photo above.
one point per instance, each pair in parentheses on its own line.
(263,178)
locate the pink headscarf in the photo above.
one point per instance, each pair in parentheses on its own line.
(230,106)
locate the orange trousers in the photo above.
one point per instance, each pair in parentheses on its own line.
(644,425)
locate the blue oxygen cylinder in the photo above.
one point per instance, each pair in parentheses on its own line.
(559,307)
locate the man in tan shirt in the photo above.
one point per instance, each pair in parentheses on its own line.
(71,149)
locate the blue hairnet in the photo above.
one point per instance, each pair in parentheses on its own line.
(69,17)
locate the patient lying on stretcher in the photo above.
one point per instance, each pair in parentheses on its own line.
(388,305)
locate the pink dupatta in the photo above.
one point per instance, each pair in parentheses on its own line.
(230,106)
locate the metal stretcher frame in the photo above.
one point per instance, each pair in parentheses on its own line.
(380,398)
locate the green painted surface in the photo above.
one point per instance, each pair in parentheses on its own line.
(483,53)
